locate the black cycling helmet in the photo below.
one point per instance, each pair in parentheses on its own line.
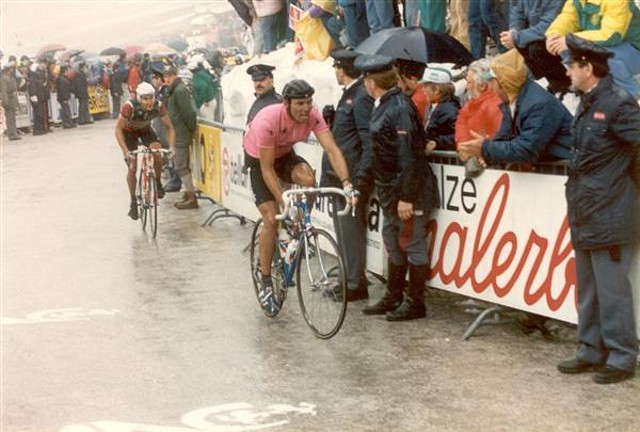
(297,89)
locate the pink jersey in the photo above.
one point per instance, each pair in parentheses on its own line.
(273,128)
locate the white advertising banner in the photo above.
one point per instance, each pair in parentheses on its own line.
(502,237)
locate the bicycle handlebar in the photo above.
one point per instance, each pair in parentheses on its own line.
(147,149)
(287,198)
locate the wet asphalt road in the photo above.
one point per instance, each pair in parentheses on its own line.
(105,330)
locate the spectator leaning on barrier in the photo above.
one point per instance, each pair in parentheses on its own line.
(262,77)
(614,25)
(183,115)
(350,126)
(536,127)
(406,188)
(440,122)
(10,101)
(604,216)
(481,113)
(528,22)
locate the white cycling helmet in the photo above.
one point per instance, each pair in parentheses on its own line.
(145,89)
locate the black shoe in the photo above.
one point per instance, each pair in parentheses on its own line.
(382,306)
(577,366)
(160,190)
(611,375)
(172,187)
(407,311)
(133,211)
(14,138)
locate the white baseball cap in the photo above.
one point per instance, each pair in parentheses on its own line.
(436,75)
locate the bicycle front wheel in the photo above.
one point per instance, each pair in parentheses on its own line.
(321,283)
(142,206)
(152,206)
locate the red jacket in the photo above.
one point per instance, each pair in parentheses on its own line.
(482,115)
(133,79)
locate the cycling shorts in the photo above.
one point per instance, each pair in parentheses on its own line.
(284,167)
(144,137)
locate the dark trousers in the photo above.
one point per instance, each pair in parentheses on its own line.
(351,232)
(40,118)
(65,113)
(10,116)
(83,111)
(542,63)
(606,324)
(405,240)
(115,112)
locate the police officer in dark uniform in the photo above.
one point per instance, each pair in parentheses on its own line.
(350,126)
(604,215)
(262,77)
(406,187)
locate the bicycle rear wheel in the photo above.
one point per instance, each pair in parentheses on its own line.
(277,273)
(152,206)
(321,284)
(142,207)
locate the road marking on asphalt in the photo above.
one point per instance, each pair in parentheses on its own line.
(59,315)
(233,417)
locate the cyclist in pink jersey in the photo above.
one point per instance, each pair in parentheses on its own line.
(268,146)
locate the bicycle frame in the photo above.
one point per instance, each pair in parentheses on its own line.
(305,226)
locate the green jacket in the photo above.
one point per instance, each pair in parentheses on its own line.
(204,89)
(605,22)
(9,87)
(182,112)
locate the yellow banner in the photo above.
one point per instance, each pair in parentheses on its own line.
(98,100)
(206,162)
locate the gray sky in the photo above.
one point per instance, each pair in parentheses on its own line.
(94,24)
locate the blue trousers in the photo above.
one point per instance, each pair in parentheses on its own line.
(356,25)
(486,17)
(624,65)
(379,15)
(606,324)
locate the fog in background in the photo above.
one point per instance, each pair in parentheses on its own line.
(94,25)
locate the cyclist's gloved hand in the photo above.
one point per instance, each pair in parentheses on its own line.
(350,193)
(328,114)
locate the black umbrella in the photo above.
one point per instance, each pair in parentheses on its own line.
(178,44)
(113,51)
(417,44)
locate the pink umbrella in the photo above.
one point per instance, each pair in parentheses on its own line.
(49,49)
(132,49)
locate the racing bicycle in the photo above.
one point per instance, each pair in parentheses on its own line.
(311,255)
(146,190)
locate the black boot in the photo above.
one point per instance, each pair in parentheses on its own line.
(393,295)
(413,307)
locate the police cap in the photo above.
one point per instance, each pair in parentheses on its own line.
(373,63)
(259,72)
(583,50)
(344,57)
